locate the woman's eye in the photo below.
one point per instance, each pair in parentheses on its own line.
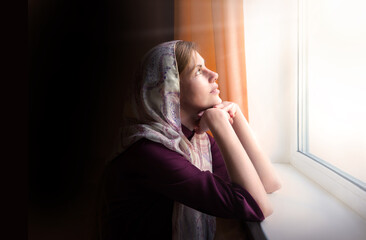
(199,71)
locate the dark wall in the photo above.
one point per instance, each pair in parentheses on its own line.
(82,60)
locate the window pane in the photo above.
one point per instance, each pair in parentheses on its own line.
(335,42)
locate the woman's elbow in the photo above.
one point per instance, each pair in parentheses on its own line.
(266,207)
(267,211)
(273,186)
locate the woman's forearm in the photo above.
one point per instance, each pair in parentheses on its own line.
(239,166)
(261,162)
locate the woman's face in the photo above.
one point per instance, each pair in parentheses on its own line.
(198,87)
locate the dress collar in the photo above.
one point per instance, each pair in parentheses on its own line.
(188,133)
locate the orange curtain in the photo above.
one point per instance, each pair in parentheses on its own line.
(217,26)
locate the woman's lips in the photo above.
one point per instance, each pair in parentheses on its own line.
(215,91)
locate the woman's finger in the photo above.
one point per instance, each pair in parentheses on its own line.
(232,111)
(200,113)
(228,107)
(221,105)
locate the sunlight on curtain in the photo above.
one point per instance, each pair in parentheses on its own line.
(217,26)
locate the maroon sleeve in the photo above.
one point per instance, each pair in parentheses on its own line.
(218,163)
(165,171)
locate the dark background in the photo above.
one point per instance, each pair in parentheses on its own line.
(82,57)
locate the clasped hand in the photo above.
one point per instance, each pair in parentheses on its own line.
(227,110)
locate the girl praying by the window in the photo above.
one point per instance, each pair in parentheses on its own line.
(172,179)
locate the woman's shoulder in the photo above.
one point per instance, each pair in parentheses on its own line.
(146,148)
(147,152)
(153,160)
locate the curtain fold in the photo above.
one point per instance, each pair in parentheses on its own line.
(217,26)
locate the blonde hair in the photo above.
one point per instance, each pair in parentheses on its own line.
(183,54)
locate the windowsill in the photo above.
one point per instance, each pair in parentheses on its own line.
(303,210)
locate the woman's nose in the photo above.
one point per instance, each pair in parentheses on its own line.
(213,76)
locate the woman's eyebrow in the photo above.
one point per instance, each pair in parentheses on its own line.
(201,65)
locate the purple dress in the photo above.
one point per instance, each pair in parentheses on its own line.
(143,182)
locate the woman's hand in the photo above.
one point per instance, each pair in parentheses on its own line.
(211,115)
(231,108)
(228,110)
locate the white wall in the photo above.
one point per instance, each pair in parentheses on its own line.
(271,59)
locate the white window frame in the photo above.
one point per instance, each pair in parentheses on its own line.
(348,192)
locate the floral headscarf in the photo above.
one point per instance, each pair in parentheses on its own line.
(155,115)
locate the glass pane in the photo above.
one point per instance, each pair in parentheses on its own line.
(335,42)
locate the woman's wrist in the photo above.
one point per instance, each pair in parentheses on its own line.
(239,119)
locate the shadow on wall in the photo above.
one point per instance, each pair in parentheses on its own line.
(82,60)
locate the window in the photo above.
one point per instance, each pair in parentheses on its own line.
(329,103)
(332,86)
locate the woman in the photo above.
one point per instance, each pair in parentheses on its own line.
(172,179)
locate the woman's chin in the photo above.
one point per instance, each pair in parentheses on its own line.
(210,104)
(218,101)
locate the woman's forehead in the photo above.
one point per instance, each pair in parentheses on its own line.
(196,60)
(199,59)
